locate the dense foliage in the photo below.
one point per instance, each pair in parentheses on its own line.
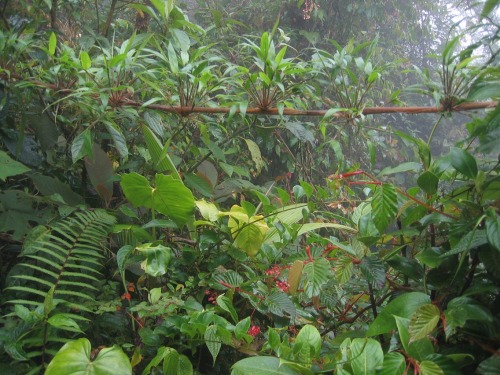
(184,193)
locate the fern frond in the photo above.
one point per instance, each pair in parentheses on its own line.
(67,259)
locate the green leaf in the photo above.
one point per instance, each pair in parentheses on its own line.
(213,341)
(169,196)
(463,162)
(471,240)
(367,356)
(462,309)
(423,321)
(256,155)
(409,267)
(286,215)
(490,366)
(402,326)
(308,227)
(430,368)
(82,146)
(162,162)
(172,59)
(85,60)
(118,139)
(309,335)
(10,167)
(49,186)
(242,327)
(384,206)
(428,182)
(261,365)
(488,7)
(394,364)
(225,304)
(74,358)
(317,273)
(52,44)
(157,258)
(302,133)
(278,302)
(64,322)
(374,270)
(403,167)
(171,362)
(493,231)
(420,349)
(344,269)
(404,306)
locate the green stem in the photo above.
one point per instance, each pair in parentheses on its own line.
(434,129)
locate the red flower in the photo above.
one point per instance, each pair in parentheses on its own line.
(126,296)
(283,285)
(254,331)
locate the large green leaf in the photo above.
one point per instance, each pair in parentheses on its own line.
(462,309)
(309,335)
(82,145)
(50,186)
(317,274)
(157,258)
(384,206)
(403,306)
(286,215)
(213,341)
(471,240)
(394,364)
(463,162)
(428,182)
(261,365)
(169,196)
(10,167)
(367,356)
(159,155)
(75,358)
(430,368)
(423,321)
(403,167)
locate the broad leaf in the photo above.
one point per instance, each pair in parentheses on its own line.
(403,306)
(157,258)
(367,356)
(169,196)
(261,365)
(75,358)
(374,270)
(384,206)
(428,182)
(213,341)
(423,321)
(10,167)
(309,335)
(430,368)
(403,167)
(82,146)
(394,364)
(464,162)
(317,273)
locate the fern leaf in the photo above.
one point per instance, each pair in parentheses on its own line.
(66,258)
